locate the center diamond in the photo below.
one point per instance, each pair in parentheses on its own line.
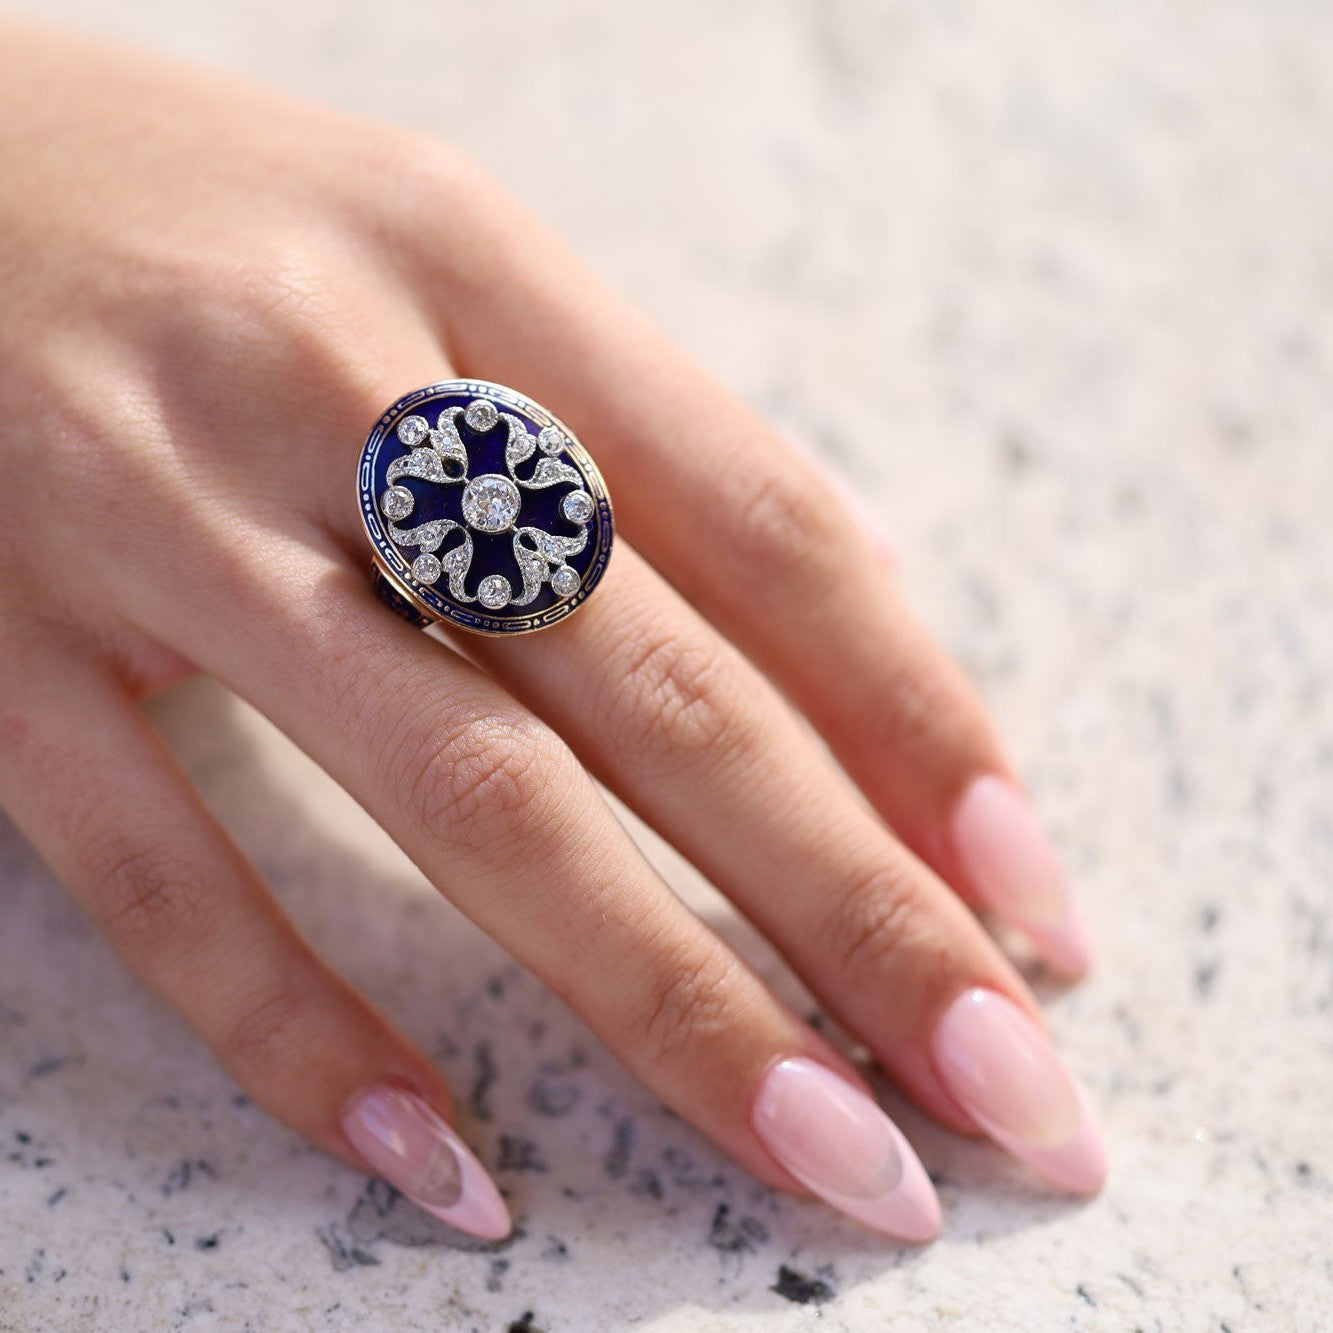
(490,503)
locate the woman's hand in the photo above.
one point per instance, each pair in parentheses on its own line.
(209,295)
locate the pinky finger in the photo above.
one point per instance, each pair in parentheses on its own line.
(92,786)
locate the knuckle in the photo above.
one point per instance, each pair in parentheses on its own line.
(696,1000)
(878,927)
(467,782)
(265,1031)
(675,697)
(789,531)
(145,899)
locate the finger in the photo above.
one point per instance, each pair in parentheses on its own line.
(757,537)
(497,811)
(682,727)
(90,783)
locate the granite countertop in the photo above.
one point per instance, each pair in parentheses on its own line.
(1052,284)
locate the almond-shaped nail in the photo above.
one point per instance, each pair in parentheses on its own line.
(407,1142)
(839,1144)
(1013,866)
(1000,1065)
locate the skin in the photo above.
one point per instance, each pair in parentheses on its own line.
(210,294)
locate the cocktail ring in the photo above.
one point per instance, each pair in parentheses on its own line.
(483,509)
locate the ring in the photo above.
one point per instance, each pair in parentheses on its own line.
(483,508)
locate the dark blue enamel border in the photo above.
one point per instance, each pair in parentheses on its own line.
(491,554)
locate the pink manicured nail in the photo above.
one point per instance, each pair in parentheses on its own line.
(1008,858)
(1001,1066)
(411,1146)
(840,1145)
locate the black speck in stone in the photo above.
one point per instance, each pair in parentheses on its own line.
(1086,1295)
(124,1274)
(553,1097)
(344,1254)
(740,1237)
(56,1197)
(22,1136)
(1130,1283)
(1303,1170)
(555,1249)
(168,1236)
(1209,915)
(494,1280)
(523,1324)
(48,1066)
(648,1183)
(1204,977)
(206,1243)
(181,1177)
(495,986)
(1016,454)
(40,1162)
(616,1161)
(796,1286)
(481,1082)
(520,1154)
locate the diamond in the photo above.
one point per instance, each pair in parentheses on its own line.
(490,503)
(565,580)
(481,414)
(413,429)
(551,440)
(493,591)
(577,506)
(426,568)
(397,502)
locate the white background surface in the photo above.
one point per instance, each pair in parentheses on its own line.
(1051,283)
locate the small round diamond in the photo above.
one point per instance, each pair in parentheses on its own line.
(493,591)
(490,503)
(551,440)
(481,414)
(397,502)
(565,580)
(577,506)
(412,430)
(426,568)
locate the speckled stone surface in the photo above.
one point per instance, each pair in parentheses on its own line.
(1051,283)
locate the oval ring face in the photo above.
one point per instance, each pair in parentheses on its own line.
(484,509)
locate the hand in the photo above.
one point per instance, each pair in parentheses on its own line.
(210,294)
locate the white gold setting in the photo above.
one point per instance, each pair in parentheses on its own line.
(397,503)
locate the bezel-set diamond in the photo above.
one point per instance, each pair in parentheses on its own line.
(565,580)
(397,503)
(412,430)
(551,440)
(426,568)
(494,591)
(491,503)
(577,506)
(481,414)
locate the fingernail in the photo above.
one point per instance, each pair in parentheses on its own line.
(1013,866)
(410,1145)
(1002,1067)
(840,1145)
